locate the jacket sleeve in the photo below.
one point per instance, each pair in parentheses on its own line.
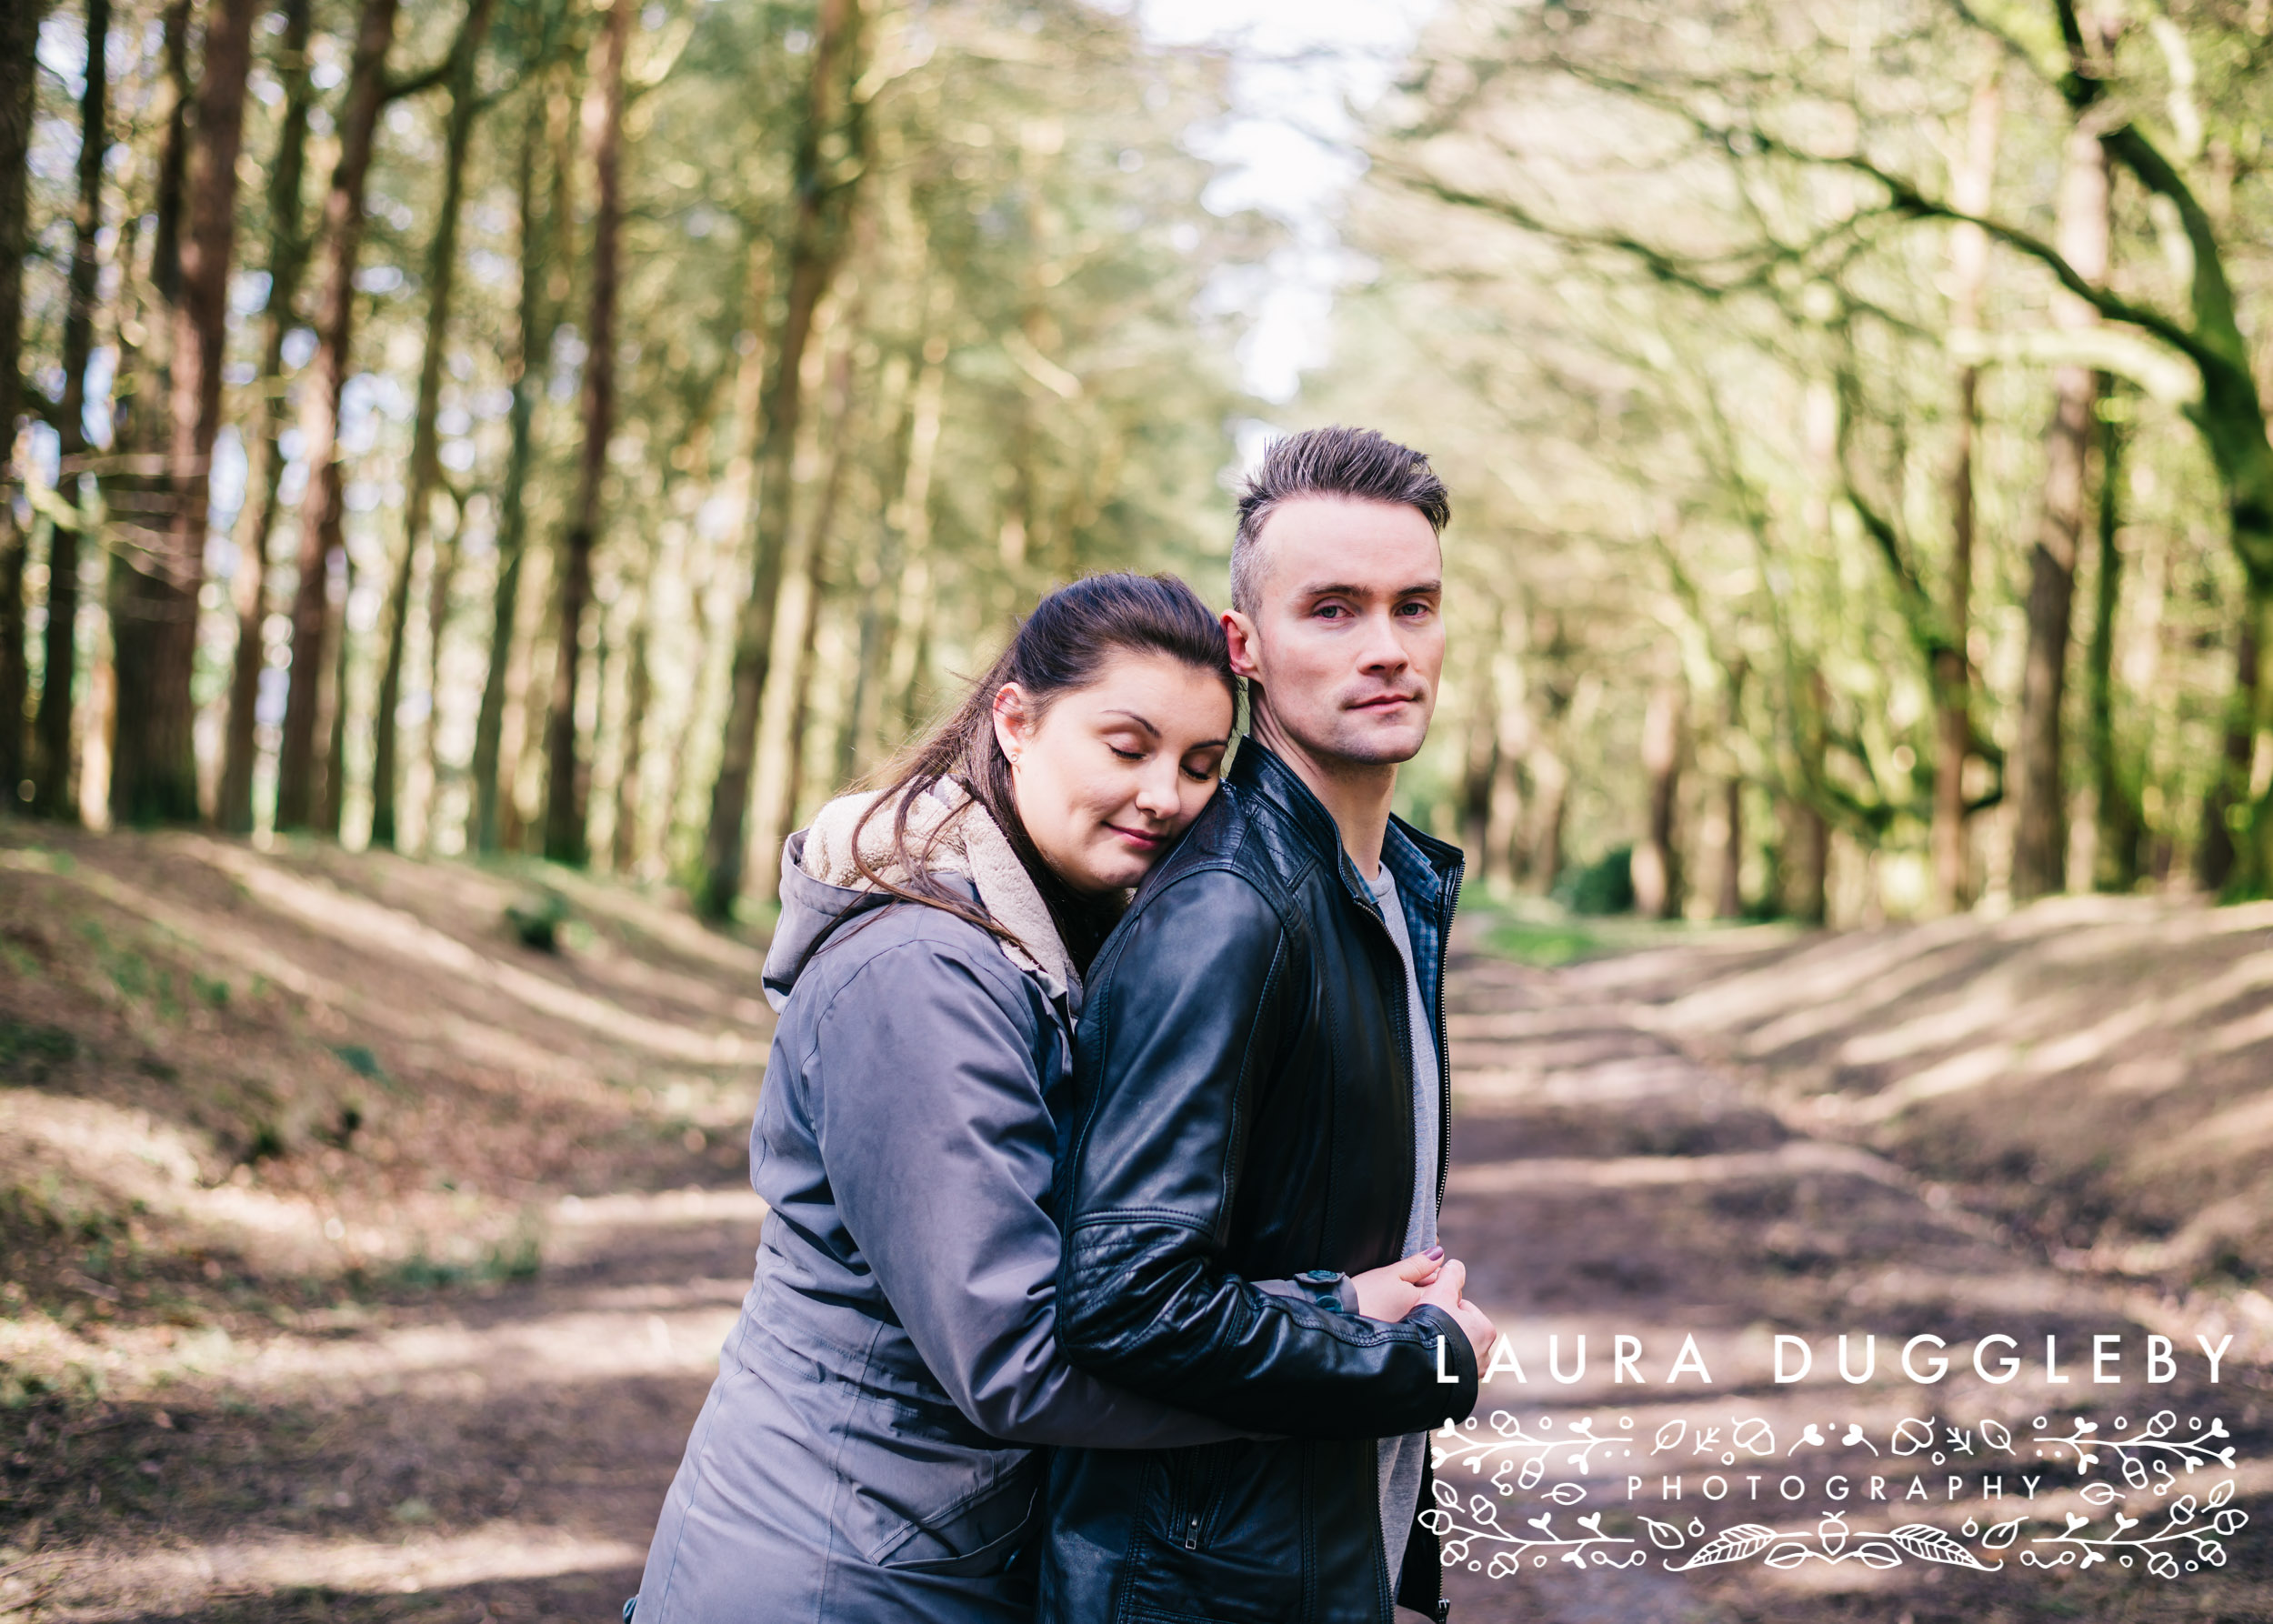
(938,1148)
(1178,1025)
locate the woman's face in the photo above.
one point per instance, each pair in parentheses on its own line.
(1111,773)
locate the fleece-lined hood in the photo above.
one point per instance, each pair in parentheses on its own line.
(822,885)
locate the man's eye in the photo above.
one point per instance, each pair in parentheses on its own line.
(1331,611)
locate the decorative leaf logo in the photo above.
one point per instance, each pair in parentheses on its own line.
(1745,1541)
(2001,1536)
(1931,1544)
(1664,1536)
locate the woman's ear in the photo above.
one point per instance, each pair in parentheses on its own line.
(1012,729)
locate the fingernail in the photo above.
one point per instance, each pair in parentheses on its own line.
(1435,1251)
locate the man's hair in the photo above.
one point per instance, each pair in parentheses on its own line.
(1354,465)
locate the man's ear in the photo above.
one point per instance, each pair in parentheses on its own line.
(1246,644)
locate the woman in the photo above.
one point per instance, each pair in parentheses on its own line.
(859,1456)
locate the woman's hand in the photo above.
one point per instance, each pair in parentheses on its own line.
(1394,1291)
(1474,1323)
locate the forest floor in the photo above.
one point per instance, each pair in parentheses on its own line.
(366,1262)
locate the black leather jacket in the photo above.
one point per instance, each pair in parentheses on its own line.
(1244,1111)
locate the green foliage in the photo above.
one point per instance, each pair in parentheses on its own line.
(1599,888)
(537,918)
(1667,294)
(1543,946)
(519,1257)
(37,1045)
(359,1059)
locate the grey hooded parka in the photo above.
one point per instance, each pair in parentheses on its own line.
(866,1452)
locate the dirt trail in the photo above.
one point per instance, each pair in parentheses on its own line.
(275,1416)
(1609,1182)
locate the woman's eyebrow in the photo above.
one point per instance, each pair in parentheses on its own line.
(1140,721)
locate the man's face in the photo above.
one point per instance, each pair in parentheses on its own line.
(1347,638)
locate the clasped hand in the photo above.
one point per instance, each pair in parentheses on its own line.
(1392,1291)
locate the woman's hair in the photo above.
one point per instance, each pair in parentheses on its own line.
(1060,647)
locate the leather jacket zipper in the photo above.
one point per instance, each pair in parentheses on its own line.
(1444,1052)
(1191,1533)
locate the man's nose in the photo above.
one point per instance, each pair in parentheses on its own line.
(1384,650)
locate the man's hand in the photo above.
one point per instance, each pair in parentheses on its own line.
(1445,1293)
(1394,1290)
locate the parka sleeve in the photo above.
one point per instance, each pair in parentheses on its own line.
(938,1148)
(1176,1037)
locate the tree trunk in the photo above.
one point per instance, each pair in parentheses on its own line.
(911,625)
(1505,856)
(60,657)
(298,768)
(1480,768)
(19,78)
(823,190)
(513,512)
(143,326)
(2040,789)
(877,576)
(1806,864)
(288,268)
(567,777)
(846,429)
(1550,788)
(1658,859)
(2121,824)
(638,694)
(153,763)
(1729,903)
(426,447)
(2257,871)
(2215,852)
(1953,668)
(139,500)
(1807,858)
(330,800)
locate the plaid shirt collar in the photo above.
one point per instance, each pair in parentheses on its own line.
(1427,898)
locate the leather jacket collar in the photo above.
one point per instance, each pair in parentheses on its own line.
(1258,770)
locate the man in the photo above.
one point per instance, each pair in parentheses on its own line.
(1263,1096)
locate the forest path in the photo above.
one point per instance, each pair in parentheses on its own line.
(491,1455)
(1607,1181)
(321,1383)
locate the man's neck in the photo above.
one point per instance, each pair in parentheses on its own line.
(1355,795)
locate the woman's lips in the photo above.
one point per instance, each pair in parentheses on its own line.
(1139,838)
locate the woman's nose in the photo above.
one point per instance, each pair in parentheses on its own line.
(1156,792)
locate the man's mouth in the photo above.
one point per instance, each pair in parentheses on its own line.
(1382,702)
